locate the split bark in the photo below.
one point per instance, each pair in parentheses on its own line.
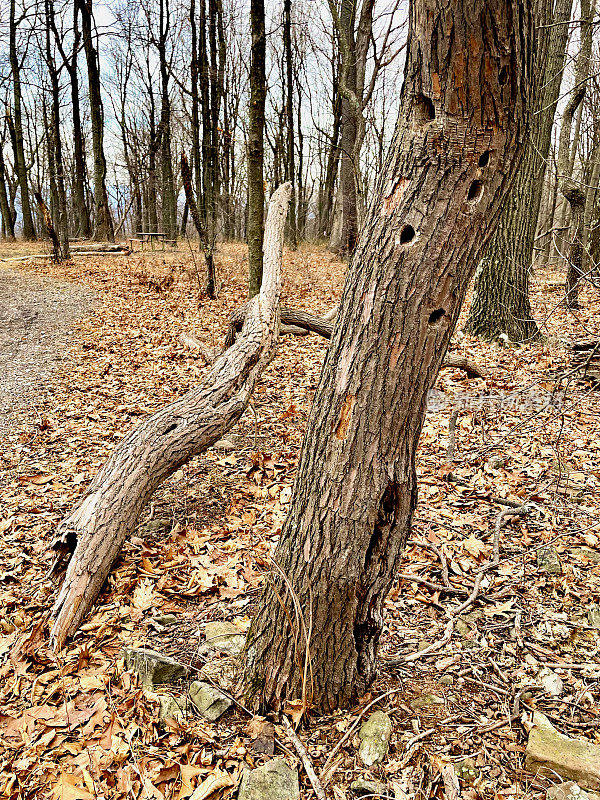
(96,529)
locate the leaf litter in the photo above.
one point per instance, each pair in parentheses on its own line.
(472,620)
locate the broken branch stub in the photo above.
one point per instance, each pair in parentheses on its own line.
(107,513)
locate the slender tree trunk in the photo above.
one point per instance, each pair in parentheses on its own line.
(318,624)
(54,138)
(8,227)
(571,190)
(500,308)
(103,220)
(17,125)
(169,203)
(290,162)
(256,126)
(81,212)
(331,171)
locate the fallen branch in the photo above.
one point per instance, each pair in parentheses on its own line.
(501,518)
(96,529)
(324,327)
(304,757)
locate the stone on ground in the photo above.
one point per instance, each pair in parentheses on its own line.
(171,708)
(224,637)
(275,780)
(367,786)
(374,738)
(548,560)
(570,791)
(209,701)
(551,753)
(153,668)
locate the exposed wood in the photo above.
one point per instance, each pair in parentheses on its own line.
(90,537)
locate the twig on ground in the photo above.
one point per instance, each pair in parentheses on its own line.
(519,511)
(305,758)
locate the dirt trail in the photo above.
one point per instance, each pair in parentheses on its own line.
(35,317)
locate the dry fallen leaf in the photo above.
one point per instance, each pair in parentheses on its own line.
(68,788)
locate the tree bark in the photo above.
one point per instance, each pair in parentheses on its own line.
(103,222)
(570,189)
(54,139)
(8,225)
(256,126)
(466,95)
(109,510)
(299,321)
(290,168)
(500,309)
(16,123)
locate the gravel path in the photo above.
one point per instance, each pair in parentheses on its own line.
(36,313)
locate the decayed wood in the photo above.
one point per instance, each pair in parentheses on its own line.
(323,326)
(109,510)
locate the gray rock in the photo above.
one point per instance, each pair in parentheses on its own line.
(548,560)
(550,753)
(171,708)
(374,738)
(224,637)
(209,701)
(566,791)
(362,786)
(593,616)
(153,668)
(275,780)
(425,700)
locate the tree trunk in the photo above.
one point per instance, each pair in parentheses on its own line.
(103,223)
(256,126)
(500,309)
(54,139)
(571,190)
(8,227)
(81,212)
(110,508)
(290,166)
(17,125)
(464,119)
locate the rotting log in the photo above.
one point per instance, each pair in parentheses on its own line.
(91,537)
(323,326)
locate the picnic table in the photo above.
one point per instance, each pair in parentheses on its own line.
(149,236)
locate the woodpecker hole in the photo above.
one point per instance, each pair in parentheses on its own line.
(475,192)
(424,109)
(484,159)
(407,234)
(436,316)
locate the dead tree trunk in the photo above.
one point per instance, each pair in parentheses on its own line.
(464,118)
(109,510)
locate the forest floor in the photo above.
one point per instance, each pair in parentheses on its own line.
(77,725)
